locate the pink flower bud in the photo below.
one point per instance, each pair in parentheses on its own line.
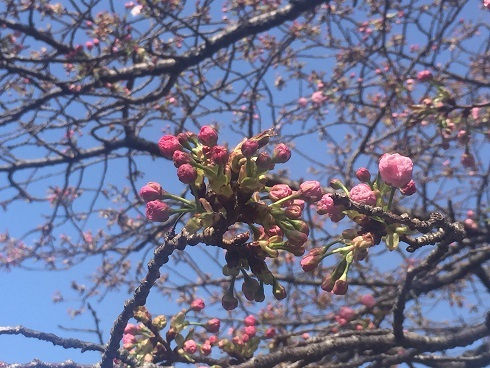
(368,300)
(409,189)
(251,331)
(340,287)
(206,348)
(229,302)
(263,161)
(219,155)
(317,97)
(279,191)
(326,206)
(296,238)
(249,147)
(151,191)
(213,340)
(157,211)
(311,191)
(96,41)
(303,102)
(463,137)
(187,174)
(168,144)
(293,212)
(281,154)
(363,175)
(208,136)
(131,329)
(468,160)
(328,283)
(424,75)
(270,332)
(249,320)
(190,347)
(363,193)
(180,157)
(213,325)
(347,313)
(395,169)
(312,259)
(197,305)
(89,45)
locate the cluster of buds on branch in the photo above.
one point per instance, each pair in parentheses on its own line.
(229,190)
(233,208)
(145,343)
(395,173)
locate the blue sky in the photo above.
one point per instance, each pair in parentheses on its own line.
(28,293)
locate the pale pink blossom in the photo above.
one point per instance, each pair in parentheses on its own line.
(395,169)
(363,193)
(317,97)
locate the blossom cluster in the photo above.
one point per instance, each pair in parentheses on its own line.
(230,187)
(395,173)
(145,342)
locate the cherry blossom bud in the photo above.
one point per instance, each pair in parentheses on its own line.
(96,41)
(157,211)
(213,340)
(326,206)
(395,169)
(249,320)
(312,259)
(279,191)
(311,191)
(328,283)
(208,136)
(131,329)
(251,331)
(317,97)
(463,137)
(281,154)
(340,287)
(168,144)
(347,313)
(424,75)
(363,175)
(270,333)
(363,241)
(180,157)
(219,155)
(278,290)
(151,191)
(197,305)
(213,325)
(336,184)
(363,193)
(187,174)
(468,160)
(263,161)
(296,238)
(409,189)
(206,348)
(293,212)
(249,148)
(89,45)
(303,102)
(229,302)
(368,300)
(190,347)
